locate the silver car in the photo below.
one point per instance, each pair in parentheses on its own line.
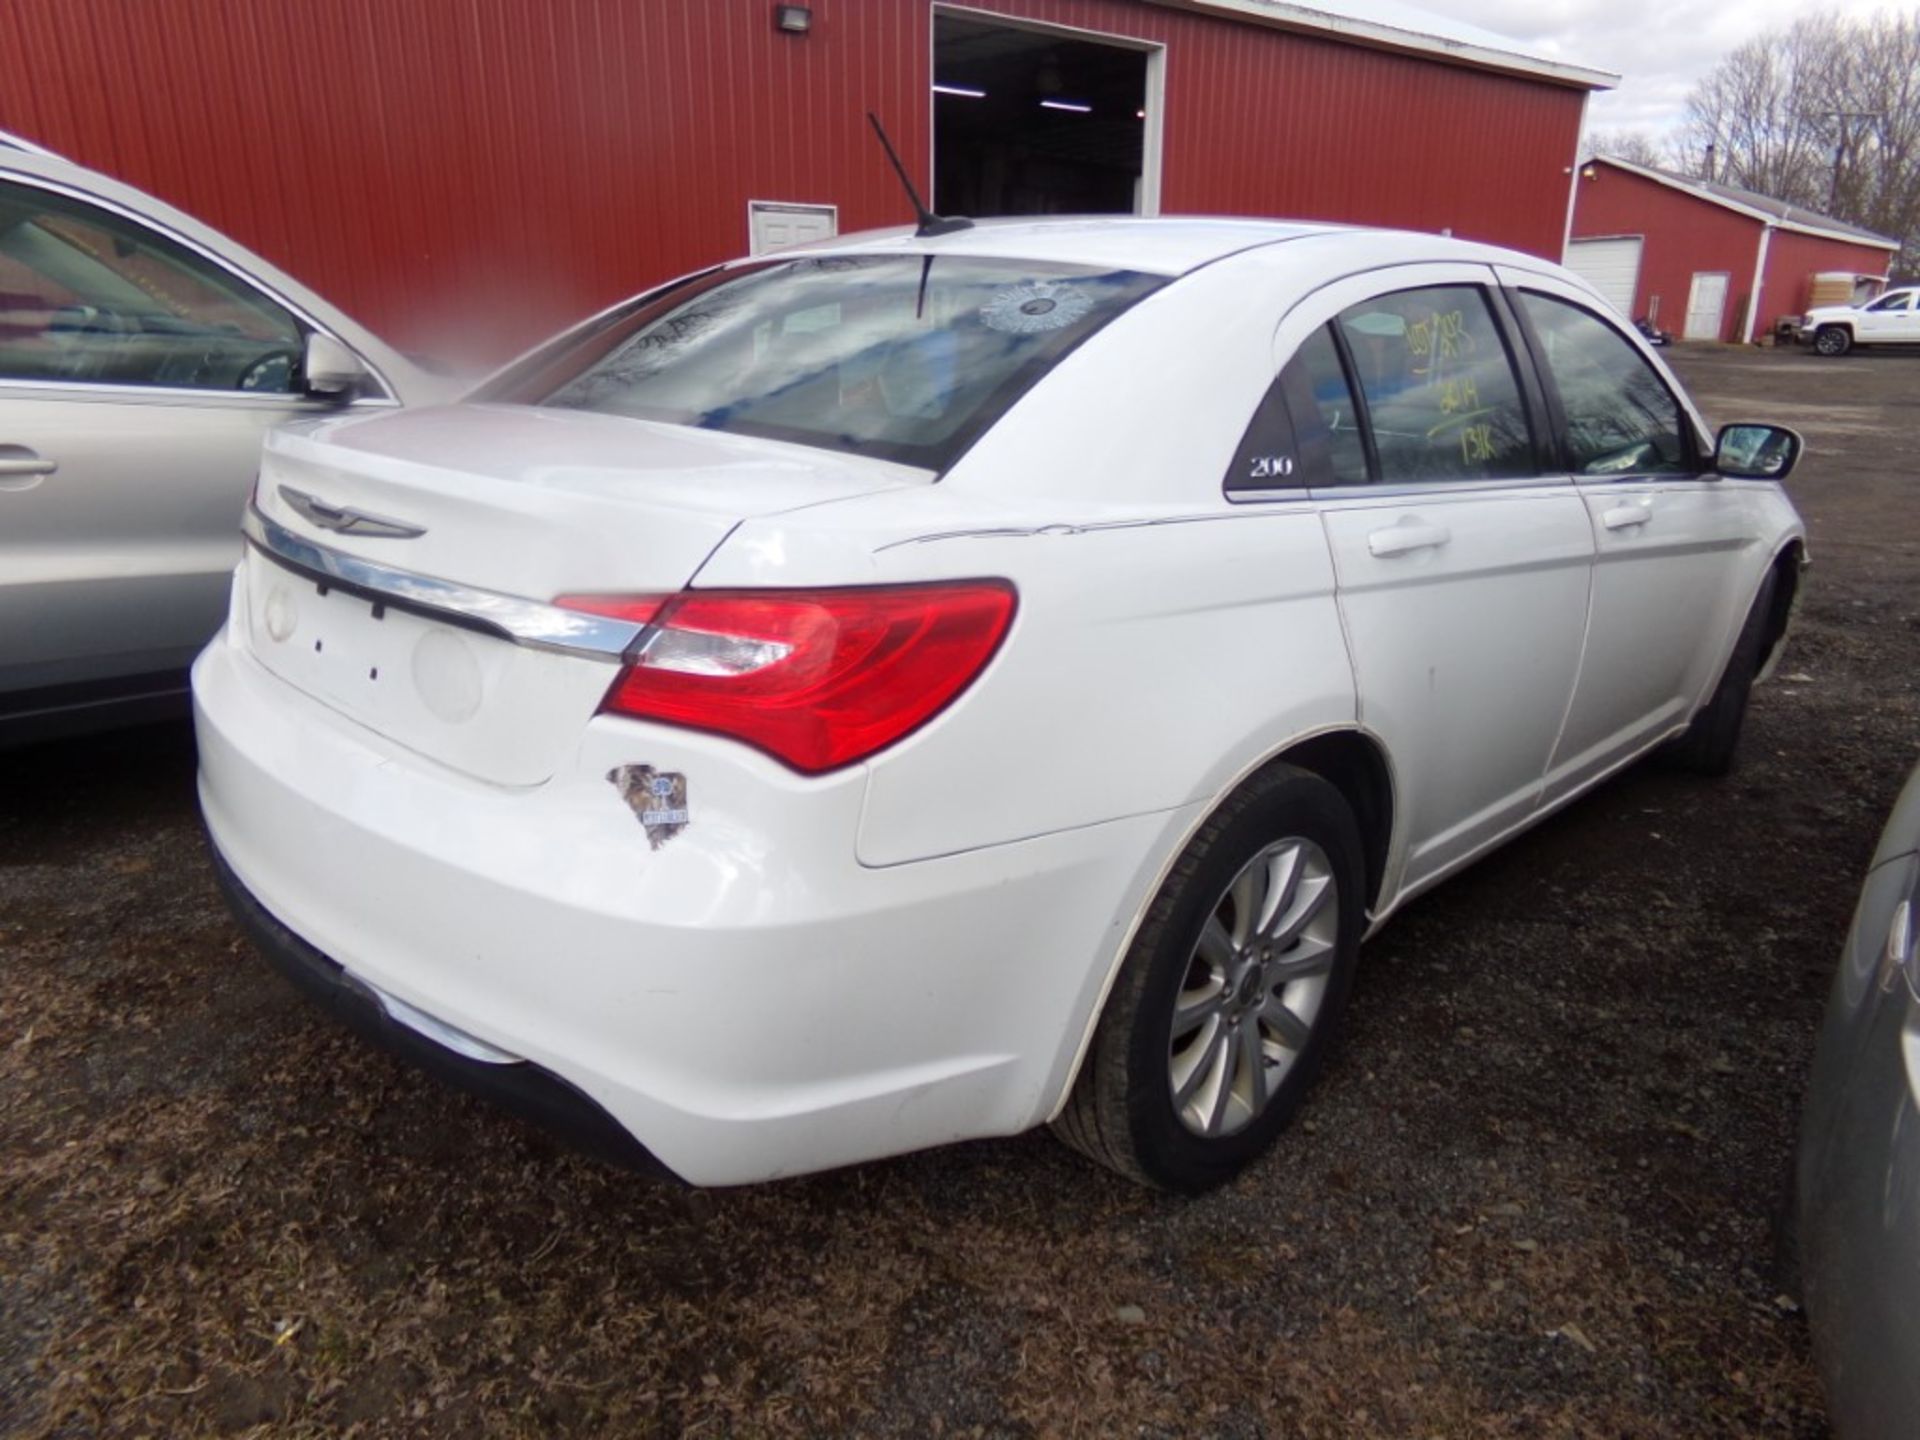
(142,357)
(1859,1168)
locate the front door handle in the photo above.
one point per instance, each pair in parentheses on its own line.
(1625,517)
(1407,536)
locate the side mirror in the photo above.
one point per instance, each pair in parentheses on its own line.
(330,369)
(1756,452)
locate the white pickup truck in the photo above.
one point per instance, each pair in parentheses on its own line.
(1893,319)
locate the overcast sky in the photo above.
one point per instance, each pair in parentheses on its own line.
(1658,47)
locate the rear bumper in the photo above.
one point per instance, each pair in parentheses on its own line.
(744,999)
(523,1088)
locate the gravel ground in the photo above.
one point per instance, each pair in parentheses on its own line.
(1534,1194)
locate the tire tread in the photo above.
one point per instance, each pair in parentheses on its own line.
(1096,1119)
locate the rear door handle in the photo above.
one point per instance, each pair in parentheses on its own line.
(22,469)
(1407,536)
(1625,517)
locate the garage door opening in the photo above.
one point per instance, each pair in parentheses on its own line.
(1036,121)
(1612,266)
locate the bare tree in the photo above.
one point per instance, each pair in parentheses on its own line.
(1636,147)
(1880,188)
(1824,114)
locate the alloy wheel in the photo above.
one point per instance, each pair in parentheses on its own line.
(1253,987)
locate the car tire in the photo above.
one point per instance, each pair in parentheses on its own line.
(1707,745)
(1257,1002)
(1832,340)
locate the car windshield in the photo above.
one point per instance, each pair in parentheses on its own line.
(903,357)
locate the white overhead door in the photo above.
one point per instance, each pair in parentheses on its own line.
(774,225)
(1611,266)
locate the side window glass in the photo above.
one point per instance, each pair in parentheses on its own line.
(1896,301)
(1441,394)
(1621,417)
(1325,418)
(1305,432)
(89,297)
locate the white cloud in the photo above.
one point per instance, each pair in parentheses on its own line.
(1658,47)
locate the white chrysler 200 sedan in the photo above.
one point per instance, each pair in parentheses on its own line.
(921,688)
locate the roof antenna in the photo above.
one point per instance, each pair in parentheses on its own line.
(930,223)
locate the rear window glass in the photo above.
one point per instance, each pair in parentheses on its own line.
(903,357)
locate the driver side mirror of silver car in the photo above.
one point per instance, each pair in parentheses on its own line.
(1756,452)
(331,370)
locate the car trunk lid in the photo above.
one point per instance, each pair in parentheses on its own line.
(404,567)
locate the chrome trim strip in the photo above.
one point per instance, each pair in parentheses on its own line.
(532,623)
(1416,489)
(436,1029)
(161,394)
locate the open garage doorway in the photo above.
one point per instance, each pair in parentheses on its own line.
(1040,120)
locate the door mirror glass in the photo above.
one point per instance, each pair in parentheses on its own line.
(1756,452)
(331,370)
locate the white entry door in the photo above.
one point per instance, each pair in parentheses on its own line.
(1706,306)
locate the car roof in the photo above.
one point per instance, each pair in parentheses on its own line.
(1169,245)
(10,141)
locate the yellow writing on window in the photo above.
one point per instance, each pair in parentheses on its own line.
(1442,335)
(1458,395)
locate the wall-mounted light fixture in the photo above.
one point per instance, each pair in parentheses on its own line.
(965,92)
(1073,105)
(794,19)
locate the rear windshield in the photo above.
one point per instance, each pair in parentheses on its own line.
(904,357)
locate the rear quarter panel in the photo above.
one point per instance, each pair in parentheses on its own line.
(1166,640)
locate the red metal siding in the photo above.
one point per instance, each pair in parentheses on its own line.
(1792,262)
(465,175)
(1684,236)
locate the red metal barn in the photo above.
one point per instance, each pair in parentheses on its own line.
(466,175)
(1708,261)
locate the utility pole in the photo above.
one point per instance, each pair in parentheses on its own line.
(1844,119)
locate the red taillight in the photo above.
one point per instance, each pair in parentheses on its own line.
(816,678)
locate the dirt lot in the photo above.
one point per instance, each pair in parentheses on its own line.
(1533,1196)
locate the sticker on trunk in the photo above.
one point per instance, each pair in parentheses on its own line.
(657,797)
